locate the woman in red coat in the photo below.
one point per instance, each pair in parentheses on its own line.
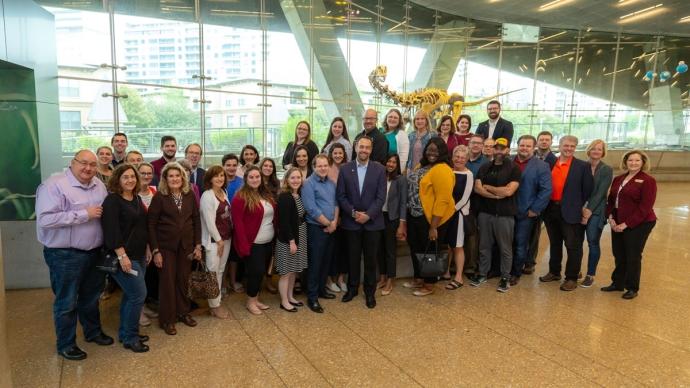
(254,216)
(631,215)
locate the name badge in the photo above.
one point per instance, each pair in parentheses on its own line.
(639,180)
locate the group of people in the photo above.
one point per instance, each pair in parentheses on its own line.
(336,207)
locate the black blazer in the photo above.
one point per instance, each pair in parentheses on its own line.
(199,181)
(397,198)
(504,128)
(578,187)
(288,219)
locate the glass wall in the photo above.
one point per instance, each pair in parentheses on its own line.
(232,73)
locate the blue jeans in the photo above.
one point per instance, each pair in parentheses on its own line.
(133,297)
(77,286)
(319,252)
(593,231)
(523,235)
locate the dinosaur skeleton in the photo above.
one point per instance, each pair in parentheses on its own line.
(435,102)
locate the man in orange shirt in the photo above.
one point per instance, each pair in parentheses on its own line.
(572,184)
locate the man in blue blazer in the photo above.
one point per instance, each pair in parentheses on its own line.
(495,127)
(361,192)
(532,198)
(572,183)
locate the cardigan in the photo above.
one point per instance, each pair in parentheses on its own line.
(170,228)
(246,224)
(635,202)
(209,207)
(436,192)
(603,175)
(288,219)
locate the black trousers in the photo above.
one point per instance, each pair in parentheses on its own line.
(627,250)
(418,240)
(389,243)
(573,235)
(533,249)
(255,265)
(340,260)
(363,243)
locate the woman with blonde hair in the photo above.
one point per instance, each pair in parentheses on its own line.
(419,138)
(593,213)
(174,229)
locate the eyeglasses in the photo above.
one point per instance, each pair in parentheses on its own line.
(369,118)
(85,163)
(146,173)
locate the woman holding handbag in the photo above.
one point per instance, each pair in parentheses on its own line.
(175,237)
(125,232)
(253,213)
(464,183)
(216,228)
(430,206)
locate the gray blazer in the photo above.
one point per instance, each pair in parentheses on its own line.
(603,175)
(397,199)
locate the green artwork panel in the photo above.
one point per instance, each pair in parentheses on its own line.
(19,152)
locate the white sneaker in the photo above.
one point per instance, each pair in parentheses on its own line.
(144,320)
(149,313)
(334,287)
(342,286)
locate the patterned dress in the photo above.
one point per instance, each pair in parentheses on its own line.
(464,182)
(284,260)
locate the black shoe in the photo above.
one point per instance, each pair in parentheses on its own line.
(292,310)
(142,338)
(297,304)
(326,295)
(137,347)
(73,353)
(315,306)
(102,339)
(371,301)
(611,288)
(630,294)
(348,296)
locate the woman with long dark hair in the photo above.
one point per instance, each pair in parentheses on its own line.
(303,139)
(302,161)
(338,267)
(270,176)
(249,156)
(337,134)
(253,212)
(394,211)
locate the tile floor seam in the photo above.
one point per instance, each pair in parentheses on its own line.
(300,351)
(62,369)
(239,322)
(546,339)
(377,350)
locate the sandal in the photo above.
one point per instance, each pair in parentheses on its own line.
(454,285)
(423,292)
(254,310)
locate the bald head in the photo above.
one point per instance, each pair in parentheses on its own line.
(370,119)
(84,166)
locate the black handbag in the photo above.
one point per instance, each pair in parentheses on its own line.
(108,261)
(432,264)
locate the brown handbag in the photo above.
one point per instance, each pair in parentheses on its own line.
(202,284)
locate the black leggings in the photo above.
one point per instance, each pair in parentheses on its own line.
(255,267)
(387,255)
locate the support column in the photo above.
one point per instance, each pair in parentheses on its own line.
(331,73)
(443,54)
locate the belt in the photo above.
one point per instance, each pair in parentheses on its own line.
(556,203)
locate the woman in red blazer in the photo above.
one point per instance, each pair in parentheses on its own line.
(631,215)
(253,212)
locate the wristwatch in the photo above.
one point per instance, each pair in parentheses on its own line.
(353,213)
(120,257)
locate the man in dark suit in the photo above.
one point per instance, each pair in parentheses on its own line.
(361,193)
(193,153)
(379,151)
(572,184)
(495,127)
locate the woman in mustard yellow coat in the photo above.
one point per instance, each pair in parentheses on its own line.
(430,206)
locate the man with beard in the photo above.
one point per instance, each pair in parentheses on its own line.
(544,141)
(497,183)
(169,149)
(495,127)
(532,198)
(379,152)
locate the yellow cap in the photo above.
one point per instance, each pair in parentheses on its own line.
(501,141)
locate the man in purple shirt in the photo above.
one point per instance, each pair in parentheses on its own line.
(68,212)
